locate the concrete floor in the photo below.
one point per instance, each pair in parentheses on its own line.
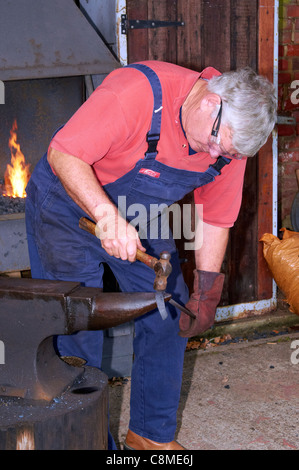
(239,396)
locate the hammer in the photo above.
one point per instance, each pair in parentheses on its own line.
(162,268)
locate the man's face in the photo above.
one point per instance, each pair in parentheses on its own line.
(198,129)
(198,132)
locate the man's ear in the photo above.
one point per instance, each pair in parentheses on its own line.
(210,101)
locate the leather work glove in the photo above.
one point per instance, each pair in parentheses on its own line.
(203,302)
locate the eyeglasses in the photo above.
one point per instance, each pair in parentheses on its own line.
(216,125)
(216,138)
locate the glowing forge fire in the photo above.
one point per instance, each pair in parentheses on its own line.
(17,174)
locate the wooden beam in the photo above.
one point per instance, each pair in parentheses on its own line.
(265,157)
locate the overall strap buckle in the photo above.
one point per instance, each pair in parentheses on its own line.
(220,163)
(152,141)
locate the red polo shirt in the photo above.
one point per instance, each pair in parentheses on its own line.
(108,131)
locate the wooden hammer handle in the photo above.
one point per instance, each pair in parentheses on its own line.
(87,225)
(149,260)
(90,227)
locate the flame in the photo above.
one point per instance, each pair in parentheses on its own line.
(17,174)
(25,439)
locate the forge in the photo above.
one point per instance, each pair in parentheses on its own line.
(13,242)
(46,79)
(11,205)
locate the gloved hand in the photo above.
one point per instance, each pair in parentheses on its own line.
(203,302)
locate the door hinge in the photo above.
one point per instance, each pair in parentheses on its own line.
(142,24)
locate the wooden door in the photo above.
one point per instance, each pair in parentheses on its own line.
(225,34)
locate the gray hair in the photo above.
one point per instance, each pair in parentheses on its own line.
(248,108)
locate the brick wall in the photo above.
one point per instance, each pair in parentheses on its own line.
(288,93)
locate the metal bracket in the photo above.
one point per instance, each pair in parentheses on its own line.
(286,120)
(145,24)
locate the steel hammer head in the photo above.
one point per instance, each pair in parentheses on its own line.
(162,269)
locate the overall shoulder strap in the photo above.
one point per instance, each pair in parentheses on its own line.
(153,135)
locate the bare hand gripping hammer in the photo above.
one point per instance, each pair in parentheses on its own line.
(162,268)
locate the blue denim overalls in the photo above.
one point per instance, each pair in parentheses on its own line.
(60,250)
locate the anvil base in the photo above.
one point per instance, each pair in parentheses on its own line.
(76,420)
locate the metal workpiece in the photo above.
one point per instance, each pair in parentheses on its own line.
(32,311)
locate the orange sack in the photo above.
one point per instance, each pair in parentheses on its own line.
(282,257)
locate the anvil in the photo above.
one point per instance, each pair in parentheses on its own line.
(33,311)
